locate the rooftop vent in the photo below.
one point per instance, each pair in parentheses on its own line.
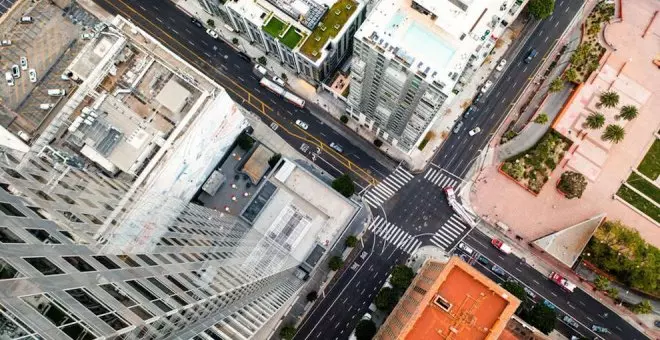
(442,303)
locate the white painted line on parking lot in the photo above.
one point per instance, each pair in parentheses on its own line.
(156,8)
(172,19)
(187,30)
(582,303)
(540,33)
(569,305)
(518,269)
(557,23)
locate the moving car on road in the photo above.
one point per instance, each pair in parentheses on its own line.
(503,247)
(278,80)
(469,111)
(562,282)
(302,124)
(337,147)
(501,64)
(530,55)
(474,131)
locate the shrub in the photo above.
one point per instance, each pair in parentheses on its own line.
(572,184)
(541,119)
(234,41)
(312,296)
(262,60)
(335,263)
(284,77)
(244,141)
(287,332)
(365,330)
(402,276)
(541,9)
(344,185)
(272,161)
(644,307)
(210,22)
(601,282)
(351,241)
(344,119)
(613,133)
(556,85)
(386,299)
(378,143)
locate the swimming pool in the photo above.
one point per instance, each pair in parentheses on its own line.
(397,19)
(426,46)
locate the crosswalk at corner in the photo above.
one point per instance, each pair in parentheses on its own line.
(450,232)
(394,235)
(377,195)
(440,178)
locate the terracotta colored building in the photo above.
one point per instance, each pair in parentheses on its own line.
(450,300)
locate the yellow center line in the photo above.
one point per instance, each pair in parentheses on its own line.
(365,175)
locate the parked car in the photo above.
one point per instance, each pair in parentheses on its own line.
(10,79)
(600,329)
(562,282)
(466,248)
(87,36)
(196,22)
(465,257)
(278,80)
(26,19)
(458,126)
(5,42)
(474,131)
(302,124)
(549,304)
(261,70)
(483,260)
(498,270)
(486,86)
(212,33)
(337,147)
(33,75)
(15,71)
(530,293)
(469,111)
(501,64)
(570,321)
(24,65)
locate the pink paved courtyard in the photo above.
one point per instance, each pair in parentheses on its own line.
(629,71)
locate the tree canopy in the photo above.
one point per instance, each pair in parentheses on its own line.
(541,9)
(365,330)
(613,133)
(244,141)
(287,332)
(351,241)
(628,112)
(594,121)
(542,317)
(402,276)
(556,85)
(609,99)
(572,184)
(272,161)
(344,185)
(515,289)
(541,118)
(335,263)
(386,299)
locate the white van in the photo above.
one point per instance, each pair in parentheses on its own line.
(10,79)
(46,106)
(57,92)
(261,70)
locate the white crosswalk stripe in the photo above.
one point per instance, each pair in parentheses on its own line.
(440,178)
(387,188)
(394,235)
(449,233)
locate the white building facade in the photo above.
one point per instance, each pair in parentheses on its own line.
(411,58)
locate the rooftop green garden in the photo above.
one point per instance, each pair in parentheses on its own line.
(291,38)
(274,26)
(331,23)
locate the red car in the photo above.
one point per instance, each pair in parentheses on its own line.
(562,282)
(503,247)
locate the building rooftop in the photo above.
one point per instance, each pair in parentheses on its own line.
(299,210)
(450,300)
(328,27)
(435,38)
(173,96)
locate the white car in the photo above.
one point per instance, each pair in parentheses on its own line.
(87,36)
(337,147)
(261,70)
(474,131)
(33,75)
(5,42)
(10,79)
(486,86)
(501,65)
(24,65)
(302,124)
(466,248)
(278,80)
(212,33)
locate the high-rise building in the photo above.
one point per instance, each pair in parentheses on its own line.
(84,255)
(311,37)
(410,59)
(450,300)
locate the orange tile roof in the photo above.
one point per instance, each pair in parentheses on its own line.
(480,309)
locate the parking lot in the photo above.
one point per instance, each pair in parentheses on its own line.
(49,43)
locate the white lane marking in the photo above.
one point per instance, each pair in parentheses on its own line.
(161,21)
(144,9)
(191,43)
(546,39)
(536,282)
(241,79)
(204,42)
(175,32)
(187,30)
(525,69)
(556,23)
(208,55)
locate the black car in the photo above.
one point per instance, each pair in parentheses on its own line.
(469,111)
(196,22)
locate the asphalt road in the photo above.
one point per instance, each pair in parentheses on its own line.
(219,61)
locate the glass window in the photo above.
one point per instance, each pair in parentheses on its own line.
(177,283)
(162,258)
(10,210)
(12,327)
(128,260)
(8,272)
(142,290)
(176,258)
(44,265)
(160,285)
(37,211)
(87,300)
(8,236)
(187,257)
(118,294)
(61,317)
(147,260)
(43,236)
(79,263)
(67,234)
(105,261)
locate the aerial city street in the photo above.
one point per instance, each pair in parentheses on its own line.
(330,169)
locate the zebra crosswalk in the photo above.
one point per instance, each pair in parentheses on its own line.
(449,233)
(440,178)
(377,195)
(394,235)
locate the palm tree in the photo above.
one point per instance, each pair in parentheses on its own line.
(609,99)
(556,85)
(613,133)
(628,112)
(595,121)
